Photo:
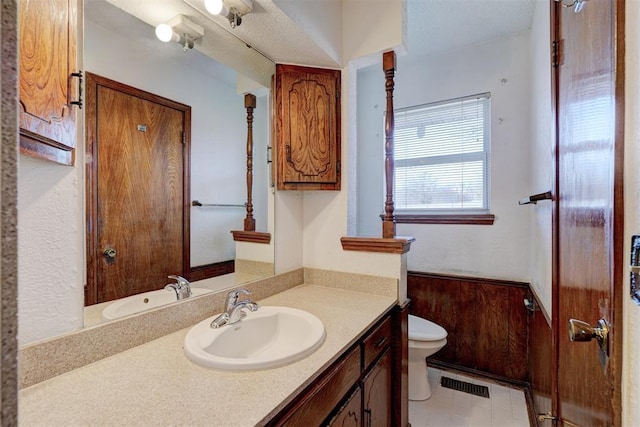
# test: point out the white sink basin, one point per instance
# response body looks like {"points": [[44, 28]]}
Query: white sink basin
{"points": [[267, 338], [142, 302]]}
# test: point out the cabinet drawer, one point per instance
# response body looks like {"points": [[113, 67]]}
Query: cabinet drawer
{"points": [[318, 402], [376, 341]]}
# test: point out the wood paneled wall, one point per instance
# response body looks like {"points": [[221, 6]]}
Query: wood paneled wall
{"points": [[211, 270], [486, 320]]}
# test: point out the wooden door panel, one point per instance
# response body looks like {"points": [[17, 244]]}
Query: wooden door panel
{"points": [[588, 193], [47, 59], [139, 191], [308, 128], [377, 397], [350, 415]]}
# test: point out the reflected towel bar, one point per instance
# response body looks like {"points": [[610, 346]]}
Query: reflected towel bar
{"points": [[217, 205], [532, 200]]}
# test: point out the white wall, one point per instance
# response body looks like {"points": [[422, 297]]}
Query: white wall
{"points": [[502, 68], [631, 338], [541, 154], [50, 248]]}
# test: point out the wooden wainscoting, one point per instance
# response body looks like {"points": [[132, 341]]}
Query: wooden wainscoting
{"points": [[211, 270], [486, 320]]}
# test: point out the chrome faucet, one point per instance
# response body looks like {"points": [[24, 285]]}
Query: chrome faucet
{"points": [[233, 309], [182, 287]]}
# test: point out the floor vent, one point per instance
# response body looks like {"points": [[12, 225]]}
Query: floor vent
{"points": [[478, 390]]}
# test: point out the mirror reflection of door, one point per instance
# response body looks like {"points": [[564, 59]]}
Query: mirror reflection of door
{"points": [[137, 175]]}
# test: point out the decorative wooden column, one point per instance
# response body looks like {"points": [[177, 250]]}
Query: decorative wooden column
{"points": [[249, 234], [249, 104], [388, 221], [389, 242]]}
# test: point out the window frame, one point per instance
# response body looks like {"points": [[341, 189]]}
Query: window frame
{"points": [[475, 216]]}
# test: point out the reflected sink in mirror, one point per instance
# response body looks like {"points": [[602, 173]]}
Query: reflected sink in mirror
{"points": [[142, 302], [270, 337]]}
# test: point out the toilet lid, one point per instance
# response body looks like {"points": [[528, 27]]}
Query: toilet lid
{"points": [[423, 330]]}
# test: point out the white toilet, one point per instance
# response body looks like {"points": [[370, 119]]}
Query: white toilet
{"points": [[425, 338]]}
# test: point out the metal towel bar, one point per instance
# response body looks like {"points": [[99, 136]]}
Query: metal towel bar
{"points": [[532, 200], [217, 205]]}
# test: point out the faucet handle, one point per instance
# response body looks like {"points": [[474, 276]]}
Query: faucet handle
{"points": [[181, 280], [232, 296]]}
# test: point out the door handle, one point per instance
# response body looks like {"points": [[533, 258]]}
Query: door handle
{"points": [[582, 332], [109, 253]]}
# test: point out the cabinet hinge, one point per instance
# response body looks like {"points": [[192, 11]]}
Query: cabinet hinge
{"points": [[184, 138], [557, 53], [338, 167]]}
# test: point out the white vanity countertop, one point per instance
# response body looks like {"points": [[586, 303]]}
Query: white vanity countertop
{"points": [[155, 384]]}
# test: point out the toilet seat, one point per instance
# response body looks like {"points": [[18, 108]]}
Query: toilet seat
{"points": [[423, 330]]}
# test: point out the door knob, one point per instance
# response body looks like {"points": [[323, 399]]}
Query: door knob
{"points": [[109, 252], [582, 331]]}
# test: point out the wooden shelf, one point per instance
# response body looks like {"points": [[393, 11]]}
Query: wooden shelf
{"points": [[399, 245], [251, 236]]}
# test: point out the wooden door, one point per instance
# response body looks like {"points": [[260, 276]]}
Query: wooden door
{"points": [[308, 128], [137, 190], [589, 209], [47, 61]]}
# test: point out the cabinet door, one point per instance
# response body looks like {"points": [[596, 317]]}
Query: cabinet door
{"points": [[47, 41], [350, 415], [308, 128], [377, 393], [321, 399]]}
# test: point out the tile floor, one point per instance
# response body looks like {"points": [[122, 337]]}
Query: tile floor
{"points": [[506, 407]]}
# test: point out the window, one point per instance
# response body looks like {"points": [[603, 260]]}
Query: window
{"points": [[441, 153]]}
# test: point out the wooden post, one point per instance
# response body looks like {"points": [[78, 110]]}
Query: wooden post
{"points": [[249, 104], [388, 221]]}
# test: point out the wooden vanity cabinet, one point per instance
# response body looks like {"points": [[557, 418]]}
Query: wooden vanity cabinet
{"points": [[307, 128], [355, 391], [48, 87]]}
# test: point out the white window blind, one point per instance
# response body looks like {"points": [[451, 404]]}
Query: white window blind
{"points": [[441, 153]]}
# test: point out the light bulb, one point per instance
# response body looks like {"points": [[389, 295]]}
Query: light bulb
{"points": [[164, 33], [214, 7]]}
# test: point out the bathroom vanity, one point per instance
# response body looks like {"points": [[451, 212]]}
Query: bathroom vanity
{"points": [[349, 380]]}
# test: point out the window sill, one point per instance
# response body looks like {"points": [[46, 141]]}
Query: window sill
{"points": [[474, 219]]}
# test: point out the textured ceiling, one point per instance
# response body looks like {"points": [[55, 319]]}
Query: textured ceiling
{"points": [[440, 25], [432, 26]]}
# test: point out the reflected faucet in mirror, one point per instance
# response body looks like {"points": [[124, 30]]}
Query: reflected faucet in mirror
{"points": [[182, 287]]}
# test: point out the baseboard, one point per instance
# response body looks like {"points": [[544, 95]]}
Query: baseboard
{"points": [[478, 374], [207, 271]]}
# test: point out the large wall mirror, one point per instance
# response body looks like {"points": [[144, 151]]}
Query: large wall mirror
{"points": [[122, 47]]}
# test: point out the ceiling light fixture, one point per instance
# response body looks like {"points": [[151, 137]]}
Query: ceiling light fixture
{"points": [[233, 10], [180, 29]]}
